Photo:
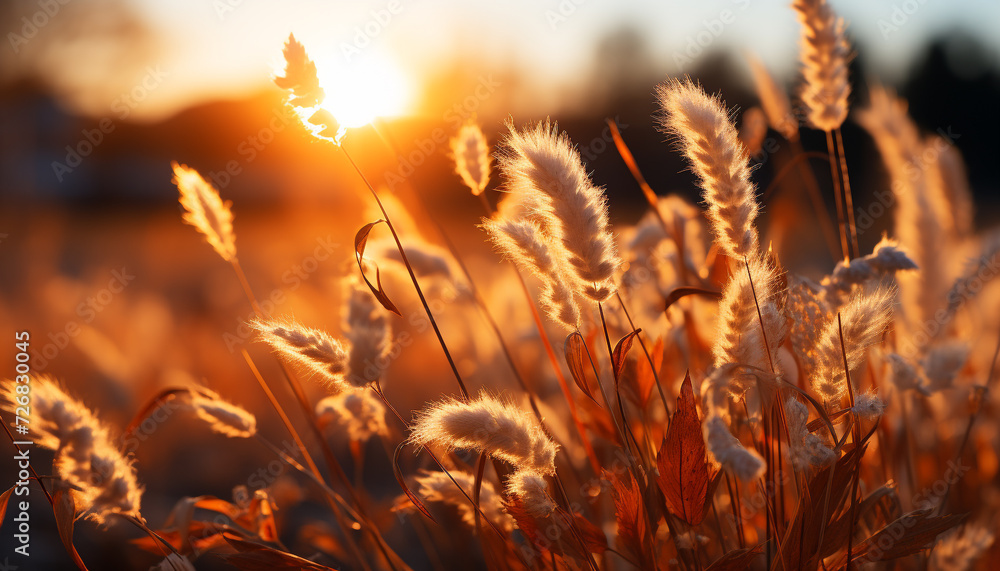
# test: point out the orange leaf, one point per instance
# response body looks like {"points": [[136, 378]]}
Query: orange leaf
{"points": [[3, 503], [678, 293], [683, 461], [621, 351], [406, 489], [630, 513], [360, 241], [574, 348], [735, 560], [909, 534], [256, 557]]}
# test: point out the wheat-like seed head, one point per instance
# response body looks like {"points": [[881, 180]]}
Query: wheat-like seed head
{"points": [[472, 156], [362, 414], [533, 491], [102, 481], [438, 487], [710, 142], [863, 319], [774, 100], [487, 425], [824, 53], [312, 349], [885, 260], [205, 210], [524, 242], [222, 417], [542, 162]]}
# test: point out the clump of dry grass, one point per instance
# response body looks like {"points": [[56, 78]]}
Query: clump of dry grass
{"points": [[101, 480]]}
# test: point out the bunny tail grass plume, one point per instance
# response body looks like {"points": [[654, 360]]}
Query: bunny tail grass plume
{"points": [[824, 53], [362, 414], [205, 210], [438, 487], [223, 417], [774, 100], [960, 549], [709, 140], [523, 242], [942, 364], [804, 448], [101, 480], [727, 451], [306, 96], [366, 329], [312, 349], [740, 338], [543, 162], [533, 491], [864, 319], [472, 157], [868, 406], [904, 375], [885, 260], [487, 425]]}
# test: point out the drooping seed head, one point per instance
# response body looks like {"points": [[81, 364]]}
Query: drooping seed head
{"points": [[312, 349]]}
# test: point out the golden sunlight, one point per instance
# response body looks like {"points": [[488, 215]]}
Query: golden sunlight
{"points": [[357, 94]]}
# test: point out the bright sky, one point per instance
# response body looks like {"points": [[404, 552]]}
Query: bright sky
{"points": [[212, 48]]}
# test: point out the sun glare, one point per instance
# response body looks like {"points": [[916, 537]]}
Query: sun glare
{"points": [[358, 93]]}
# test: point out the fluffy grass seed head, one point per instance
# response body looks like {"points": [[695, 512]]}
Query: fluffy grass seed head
{"points": [[489, 425], [960, 549], [711, 144], [805, 448], [542, 162], [533, 491], [728, 452], [472, 156], [825, 55], [205, 210], [312, 349], [864, 319], [438, 487], [221, 416], [102, 481], [361, 413], [524, 242], [868, 406]]}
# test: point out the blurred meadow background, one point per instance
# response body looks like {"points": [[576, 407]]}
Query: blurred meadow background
{"points": [[122, 299]]}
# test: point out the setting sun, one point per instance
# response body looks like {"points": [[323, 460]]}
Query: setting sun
{"points": [[358, 93]]}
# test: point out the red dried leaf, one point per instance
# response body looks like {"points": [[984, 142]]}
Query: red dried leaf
{"points": [[406, 489], [574, 348], [621, 351], [683, 461], [736, 560], [555, 533], [64, 509], [360, 241], [630, 514]]}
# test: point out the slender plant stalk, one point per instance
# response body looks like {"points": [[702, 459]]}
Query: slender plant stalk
{"points": [[832, 152], [413, 277], [848, 199]]}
